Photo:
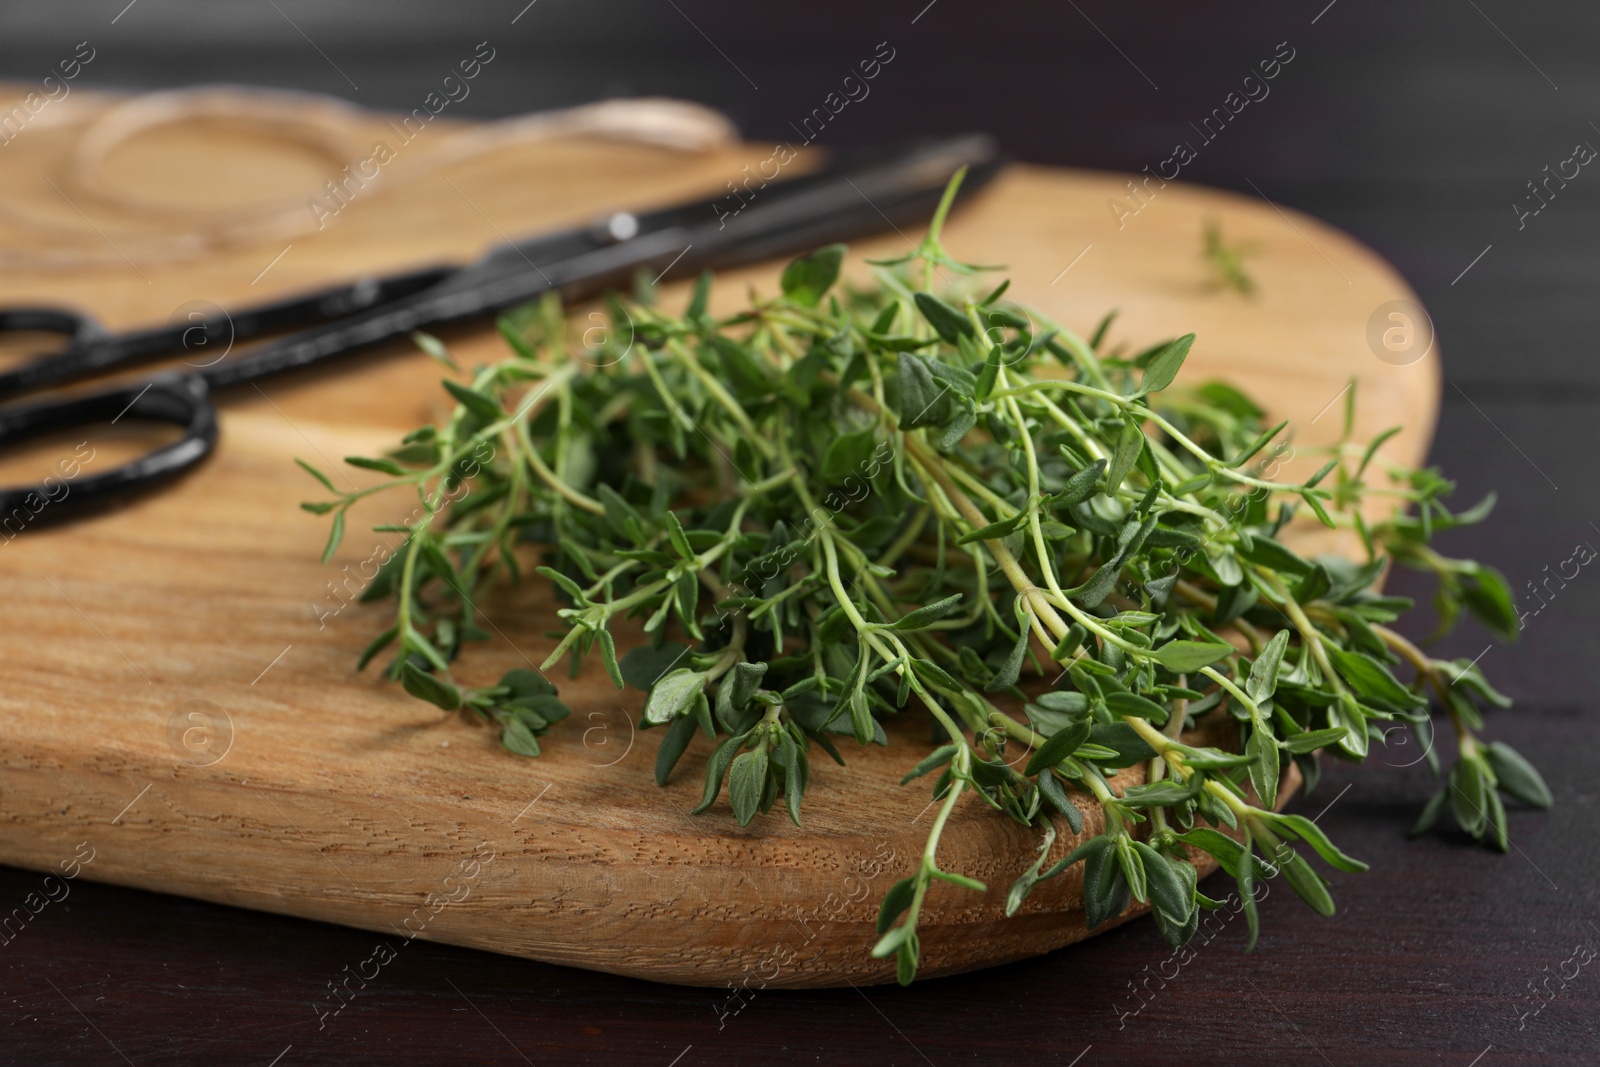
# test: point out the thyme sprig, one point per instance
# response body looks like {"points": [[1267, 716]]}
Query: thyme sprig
{"points": [[841, 503]]}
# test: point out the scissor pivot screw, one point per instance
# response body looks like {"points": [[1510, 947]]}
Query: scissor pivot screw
{"points": [[623, 226]]}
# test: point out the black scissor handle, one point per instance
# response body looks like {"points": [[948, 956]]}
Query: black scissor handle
{"points": [[91, 351], [184, 400], [75, 326]]}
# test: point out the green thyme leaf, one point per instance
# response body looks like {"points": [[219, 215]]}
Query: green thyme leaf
{"points": [[747, 778], [1057, 748], [1183, 657], [673, 696], [1263, 680], [1516, 775], [1372, 679], [1163, 369], [424, 686], [807, 278], [950, 324], [926, 615], [1130, 443]]}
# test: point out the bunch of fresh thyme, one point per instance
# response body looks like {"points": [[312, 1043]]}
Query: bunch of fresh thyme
{"points": [[842, 501]]}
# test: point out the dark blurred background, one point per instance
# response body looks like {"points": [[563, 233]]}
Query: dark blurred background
{"points": [[1415, 127]]}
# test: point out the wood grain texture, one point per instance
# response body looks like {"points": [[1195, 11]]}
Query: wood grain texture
{"points": [[340, 798]]}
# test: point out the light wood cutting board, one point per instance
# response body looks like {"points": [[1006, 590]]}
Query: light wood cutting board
{"points": [[339, 798]]}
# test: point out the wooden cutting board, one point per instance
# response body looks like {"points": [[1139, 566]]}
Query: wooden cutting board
{"points": [[177, 688]]}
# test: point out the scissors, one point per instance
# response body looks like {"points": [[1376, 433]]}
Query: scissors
{"points": [[855, 194]]}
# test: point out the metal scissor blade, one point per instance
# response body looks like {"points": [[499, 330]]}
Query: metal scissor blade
{"points": [[622, 226], [856, 193]]}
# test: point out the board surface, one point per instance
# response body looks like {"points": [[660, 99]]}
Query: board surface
{"points": [[307, 789]]}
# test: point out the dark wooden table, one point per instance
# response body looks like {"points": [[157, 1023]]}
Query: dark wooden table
{"points": [[1416, 130]]}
